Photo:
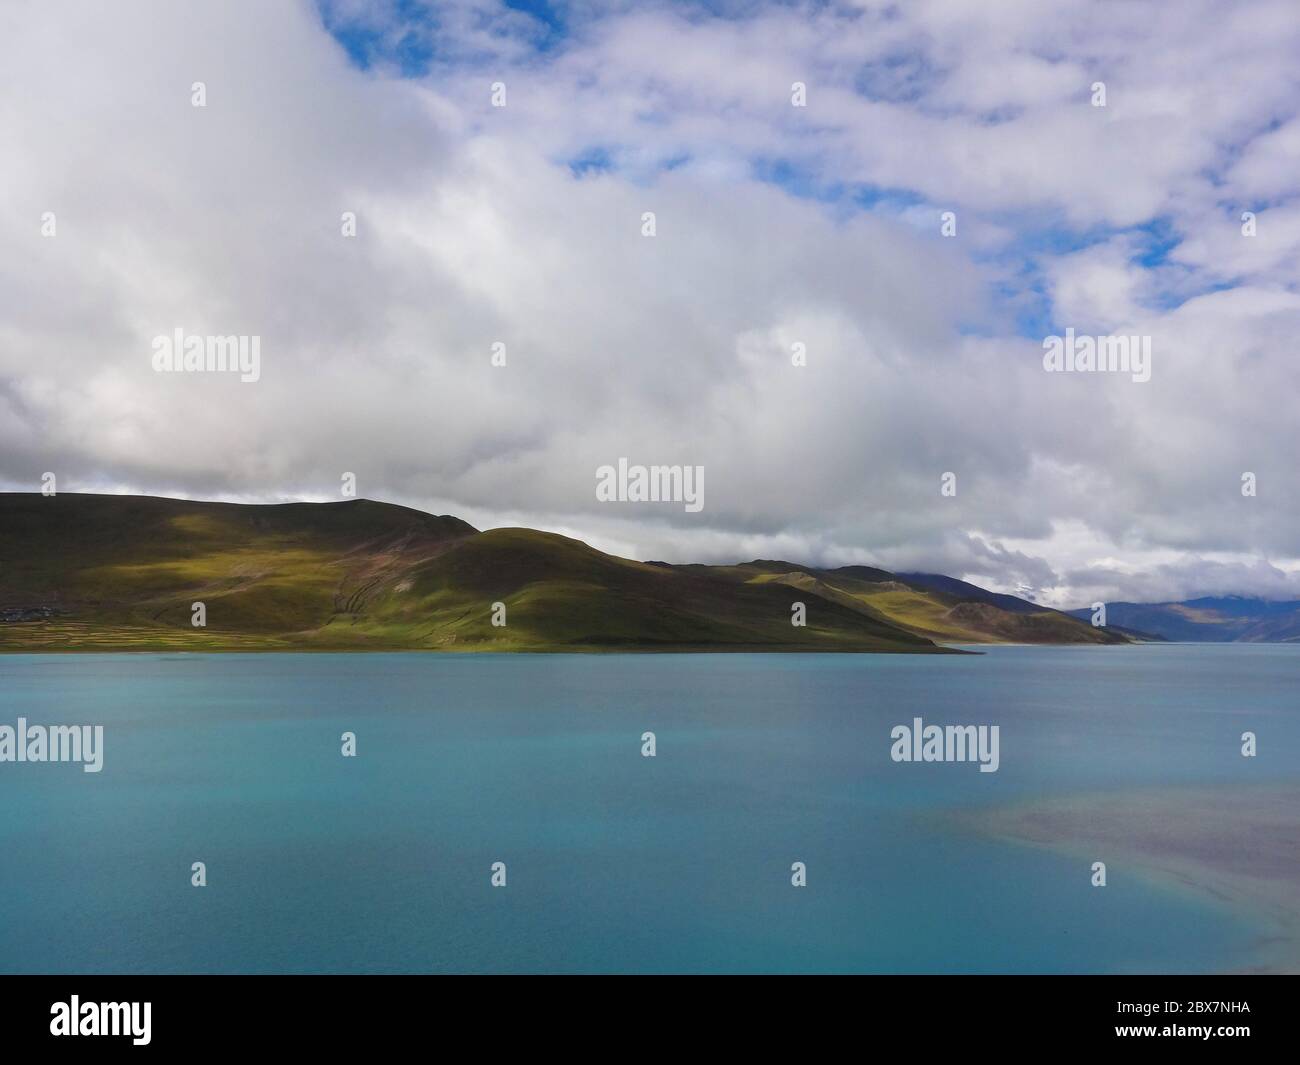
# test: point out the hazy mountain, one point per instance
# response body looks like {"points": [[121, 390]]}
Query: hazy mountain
{"points": [[1224, 619]]}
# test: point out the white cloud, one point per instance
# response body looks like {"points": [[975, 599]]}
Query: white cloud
{"points": [[473, 229]]}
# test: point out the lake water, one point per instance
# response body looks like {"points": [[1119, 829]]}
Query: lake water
{"points": [[615, 862]]}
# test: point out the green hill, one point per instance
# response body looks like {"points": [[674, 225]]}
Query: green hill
{"points": [[111, 573], [939, 608]]}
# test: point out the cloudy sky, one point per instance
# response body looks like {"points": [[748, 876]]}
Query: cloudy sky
{"points": [[776, 225]]}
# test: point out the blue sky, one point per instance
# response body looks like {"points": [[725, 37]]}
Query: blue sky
{"points": [[420, 41]]}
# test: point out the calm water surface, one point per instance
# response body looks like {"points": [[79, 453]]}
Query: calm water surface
{"points": [[678, 863]]}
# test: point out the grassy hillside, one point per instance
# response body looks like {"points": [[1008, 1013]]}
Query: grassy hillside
{"points": [[561, 593], [121, 572], [939, 608], [82, 572], [998, 617], [86, 572]]}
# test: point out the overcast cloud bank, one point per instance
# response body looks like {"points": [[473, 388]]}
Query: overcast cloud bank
{"points": [[775, 226]]}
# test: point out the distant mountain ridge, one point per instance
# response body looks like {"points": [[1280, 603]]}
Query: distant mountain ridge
{"points": [[105, 573], [1209, 619]]}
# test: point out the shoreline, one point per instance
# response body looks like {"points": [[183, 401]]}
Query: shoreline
{"points": [[687, 649], [1234, 846]]}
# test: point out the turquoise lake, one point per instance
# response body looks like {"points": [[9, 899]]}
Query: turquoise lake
{"points": [[615, 862]]}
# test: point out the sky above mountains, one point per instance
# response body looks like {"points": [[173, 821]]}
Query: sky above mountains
{"points": [[775, 225]]}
